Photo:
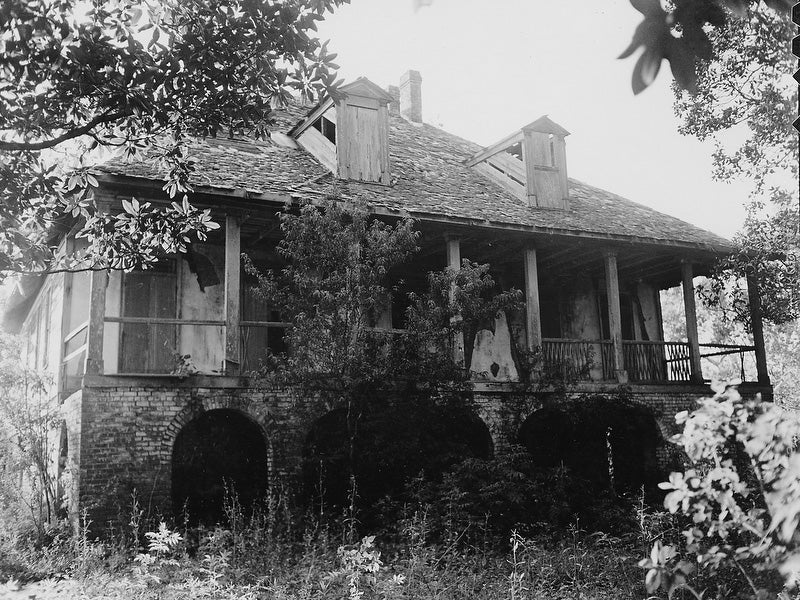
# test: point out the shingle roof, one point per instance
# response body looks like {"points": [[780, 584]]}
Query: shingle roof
{"points": [[429, 179]]}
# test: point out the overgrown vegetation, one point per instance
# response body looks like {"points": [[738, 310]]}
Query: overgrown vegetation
{"points": [[732, 534]]}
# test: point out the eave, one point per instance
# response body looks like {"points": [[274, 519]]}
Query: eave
{"points": [[252, 199]]}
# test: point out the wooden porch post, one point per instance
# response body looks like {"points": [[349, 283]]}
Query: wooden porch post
{"points": [[454, 262], [233, 233], [97, 313], [533, 320], [691, 321], [758, 329], [614, 316]]}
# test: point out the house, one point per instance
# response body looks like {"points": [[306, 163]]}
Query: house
{"points": [[591, 265]]}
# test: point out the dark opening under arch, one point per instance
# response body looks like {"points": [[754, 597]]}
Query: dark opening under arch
{"points": [[605, 442], [220, 448], [391, 446]]}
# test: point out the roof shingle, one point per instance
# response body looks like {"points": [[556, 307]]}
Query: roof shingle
{"points": [[429, 178]]}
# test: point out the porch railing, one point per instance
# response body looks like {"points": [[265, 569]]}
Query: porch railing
{"points": [[657, 361], [578, 360], [728, 361], [645, 361]]}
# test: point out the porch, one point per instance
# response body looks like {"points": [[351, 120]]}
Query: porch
{"points": [[140, 330]]}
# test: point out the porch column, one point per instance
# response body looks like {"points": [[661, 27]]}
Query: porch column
{"points": [[97, 313], [232, 293], [614, 316], [454, 262], [533, 320], [758, 329], [691, 321]]}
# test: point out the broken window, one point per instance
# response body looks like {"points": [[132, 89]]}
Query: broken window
{"points": [[326, 127]]}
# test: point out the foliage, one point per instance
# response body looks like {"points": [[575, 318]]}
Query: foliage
{"points": [[136, 77], [511, 491], [684, 34], [317, 566], [334, 286], [768, 251], [745, 101], [331, 291], [742, 493], [28, 421]]}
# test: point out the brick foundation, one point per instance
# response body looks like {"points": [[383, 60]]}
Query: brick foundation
{"points": [[122, 428]]}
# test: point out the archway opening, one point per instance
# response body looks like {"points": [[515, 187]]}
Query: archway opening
{"points": [[219, 453], [385, 449], [606, 443]]}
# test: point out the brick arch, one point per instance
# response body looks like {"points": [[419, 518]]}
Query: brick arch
{"points": [[250, 408]]}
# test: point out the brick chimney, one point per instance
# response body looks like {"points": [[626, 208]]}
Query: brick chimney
{"points": [[411, 96], [394, 105]]}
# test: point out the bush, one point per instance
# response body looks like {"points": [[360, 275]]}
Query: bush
{"points": [[742, 494], [510, 492]]}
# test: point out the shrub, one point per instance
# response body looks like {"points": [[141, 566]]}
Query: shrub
{"points": [[511, 492], [742, 493]]}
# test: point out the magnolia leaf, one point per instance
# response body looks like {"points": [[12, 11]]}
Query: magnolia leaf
{"points": [[647, 7], [646, 68], [681, 61], [652, 580]]}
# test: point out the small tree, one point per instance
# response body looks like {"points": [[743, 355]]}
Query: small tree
{"points": [[332, 290], [28, 421]]}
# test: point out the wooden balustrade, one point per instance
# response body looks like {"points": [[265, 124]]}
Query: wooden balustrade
{"points": [[657, 361], [578, 360], [645, 361], [729, 361]]}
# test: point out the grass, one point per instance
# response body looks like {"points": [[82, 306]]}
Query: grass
{"points": [[262, 561]]}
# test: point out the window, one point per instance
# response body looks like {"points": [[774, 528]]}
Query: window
{"points": [[326, 127], [257, 337], [146, 345]]}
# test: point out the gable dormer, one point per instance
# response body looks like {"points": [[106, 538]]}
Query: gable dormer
{"points": [[350, 135], [530, 163]]}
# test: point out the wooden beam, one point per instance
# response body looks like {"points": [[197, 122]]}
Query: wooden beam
{"points": [[631, 263], [233, 267], [658, 268], [454, 263], [315, 114], [691, 321], [757, 328], [507, 141], [579, 258], [66, 310], [552, 256], [97, 312], [614, 315], [533, 319]]}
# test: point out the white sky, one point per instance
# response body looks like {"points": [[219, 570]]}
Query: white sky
{"points": [[490, 66]]}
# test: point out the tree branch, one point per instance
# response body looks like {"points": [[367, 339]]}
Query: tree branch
{"points": [[107, 117]]}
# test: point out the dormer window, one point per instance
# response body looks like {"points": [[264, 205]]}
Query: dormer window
{"points": [[351, 135], [326, 127], [530, 163]]}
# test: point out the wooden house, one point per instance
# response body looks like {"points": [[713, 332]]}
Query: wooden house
{"points": [[591, 265]]}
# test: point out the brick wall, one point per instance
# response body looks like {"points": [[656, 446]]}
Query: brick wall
{"points": [[128, 427], [122, 429]]}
